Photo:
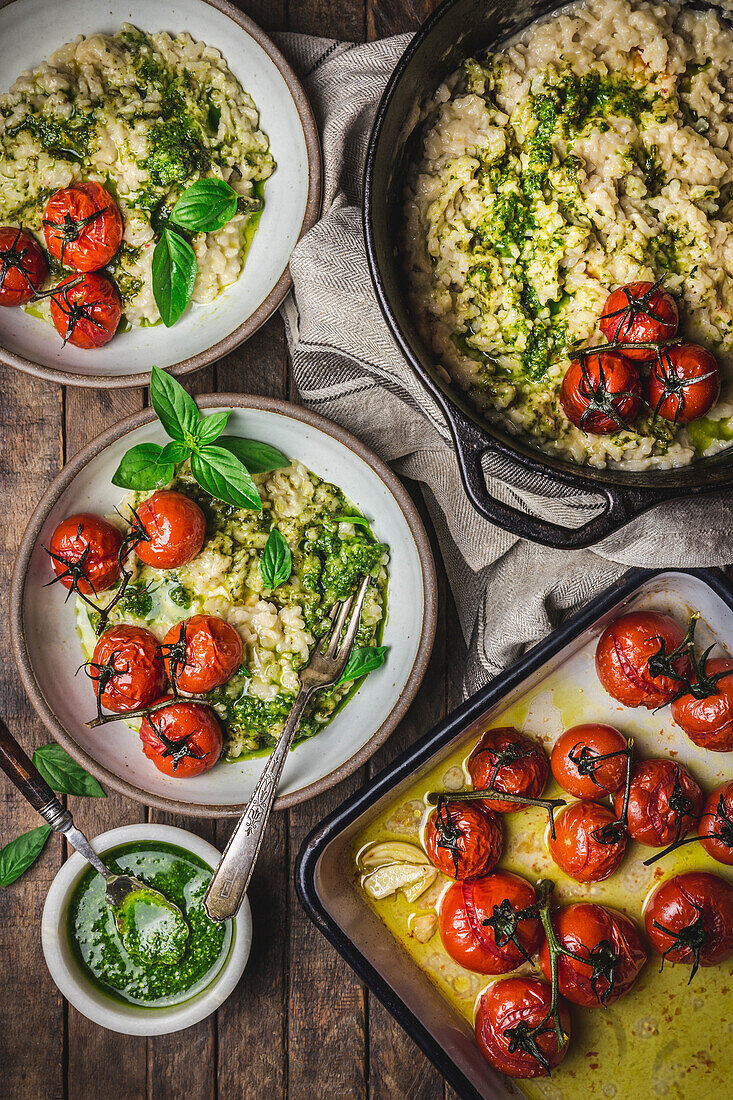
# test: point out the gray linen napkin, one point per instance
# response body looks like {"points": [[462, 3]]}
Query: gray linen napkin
{"points": [[509, 592]]}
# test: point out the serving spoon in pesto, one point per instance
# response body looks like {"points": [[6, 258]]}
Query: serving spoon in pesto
{"points": [[153, 929]]}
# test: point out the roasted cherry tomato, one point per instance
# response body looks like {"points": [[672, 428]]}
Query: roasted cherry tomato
{"points": [[636, 659], [82, 226], [716, 824], [480, 926], [23, 266], [127, 668], [183, 739], [463, 839], [689, 919], [86, 310], [683, 383], [601, 392], [174, 528], [705, 713], [578, 762], [665, 802], [84, 551], [201, 653], [611, 943], [590, 842], [514, 1031], [510, 762], [639, 313]]}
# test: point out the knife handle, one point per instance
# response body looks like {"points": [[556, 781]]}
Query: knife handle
{"points": [[29, 781]]}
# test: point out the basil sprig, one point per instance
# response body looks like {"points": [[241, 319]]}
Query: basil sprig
{"points": [[17, 856], [276, 563], [222, 465], [363, 660], [64, 774]]}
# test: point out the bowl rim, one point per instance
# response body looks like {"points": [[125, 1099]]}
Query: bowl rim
{"points": [[281, 288], [116, 432], [117, 1016]]}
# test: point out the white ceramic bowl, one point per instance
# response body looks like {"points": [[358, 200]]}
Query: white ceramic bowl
{"points": [[47, 649], [88, 998], [292, 194]]}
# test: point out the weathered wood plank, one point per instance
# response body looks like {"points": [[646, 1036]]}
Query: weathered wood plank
{"points": [[385, 17]]}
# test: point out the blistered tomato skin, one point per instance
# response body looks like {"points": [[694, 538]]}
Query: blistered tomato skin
{"points": [[683, 383], [201, 653], [665, 802], [82, 225], [708, 722], [175, 528], [475, 919], [689, 919], [86, 310], [575, 765], [631, 659], [509, 762], [715, 828], [92, 543], [128, 664], [637, 313], [520, 1003], [23, 267], [463, 839], [182, 740], [598, 933], [601, 392], [589, 843]]}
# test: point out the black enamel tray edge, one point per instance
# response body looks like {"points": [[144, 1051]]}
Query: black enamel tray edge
{"points": [[327, 830]]}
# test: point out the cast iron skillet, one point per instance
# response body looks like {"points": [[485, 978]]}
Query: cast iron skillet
{"points": [[457, 30]]}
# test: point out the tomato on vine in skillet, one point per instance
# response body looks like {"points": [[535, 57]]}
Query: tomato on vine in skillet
{"points": [[463, 839], [602, 954], [683, 383], [642, 659], [705, 712], [23, 267], [84, 551], [514, 1031], [201, 653], [481, 924], [590, 760], [689, 919], [639, 313], [590, 841], [86, 310], [665, 802], [715, 829], [127, 668], [511, 762], [183, 739], [172, 529], [82, 225], [601, 392]]}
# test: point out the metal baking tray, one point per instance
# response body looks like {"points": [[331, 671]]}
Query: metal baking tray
{"points": [[324, 871]]}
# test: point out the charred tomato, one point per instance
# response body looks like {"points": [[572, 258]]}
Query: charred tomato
{"points": [[86, 310], [201, 653], [664, 802], [639, 313], [510, 762], [590, 760], [641, 659], [683, 383], [23, 267], [590, 842], [601, 392], [705, 712], [183, 739], [173, 528], [689, 919], [481, 923], [84, 552], [127, 668], [463, 839], [82, 225], [514, 1030]]}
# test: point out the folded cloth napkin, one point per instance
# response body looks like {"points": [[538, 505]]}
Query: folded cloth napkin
{"points": [[509, 592]]}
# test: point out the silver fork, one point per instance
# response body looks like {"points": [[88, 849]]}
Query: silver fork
{"points": [[231, 878]]}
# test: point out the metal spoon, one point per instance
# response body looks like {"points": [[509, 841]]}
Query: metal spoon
{"points": [[152, 928]]}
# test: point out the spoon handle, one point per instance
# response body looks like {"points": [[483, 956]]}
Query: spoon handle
{"points": [[29, 781]]}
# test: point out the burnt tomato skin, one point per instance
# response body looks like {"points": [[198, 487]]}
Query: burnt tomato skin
{"points": [[683, 383], [139, 678], [87, 532], [23, 266], [573, 755], [212, 653], [716, 824], [524, 1003], [601, 392], [695, 911], [665, 802], [629, 320], [86, 310], [466, 910], [623, 656], [708, 722], [524, 769], [175, 528], [82, 225], [593, 931], [182, 740], [463, 839], [590, 844]]}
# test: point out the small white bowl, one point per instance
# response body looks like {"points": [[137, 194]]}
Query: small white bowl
{"points": [[89, 999]]}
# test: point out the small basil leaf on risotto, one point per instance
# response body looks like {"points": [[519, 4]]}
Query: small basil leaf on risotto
{"points": [[205, 206], [175, 408], [357, 520], [17, 856], [363, 660], [211, 427], [174, 275], [276, 563], [142, 467], [64, 774], [224, 477], [259, 458]]}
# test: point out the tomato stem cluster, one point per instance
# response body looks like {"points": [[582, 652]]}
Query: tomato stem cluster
{"points": [[550, 804], [448, 832], [725, 836], [11, 259]]}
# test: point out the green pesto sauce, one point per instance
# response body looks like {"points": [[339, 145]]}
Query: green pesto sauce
{"points": [[96, 944], [68, 139]]}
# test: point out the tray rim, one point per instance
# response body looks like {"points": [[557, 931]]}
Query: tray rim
{"points": [[314, 845]]}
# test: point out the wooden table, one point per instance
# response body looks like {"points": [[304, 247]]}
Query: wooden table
{"points": [[299, 1024]]}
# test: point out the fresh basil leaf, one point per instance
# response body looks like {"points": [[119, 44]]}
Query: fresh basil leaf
{"points": [[363, 660], [143, 467], [175, 408], [176, 451], [174, 275], [259, 458], [357, 520], [17, 856], [224, 477], [210, 427], [276, 563], [205, 206], [64, 774]]}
